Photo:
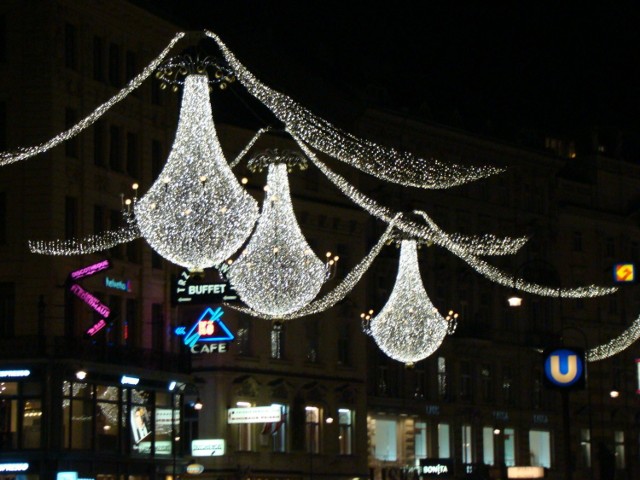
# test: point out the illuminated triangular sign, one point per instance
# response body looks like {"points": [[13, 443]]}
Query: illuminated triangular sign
{"points": [[209, 328]]}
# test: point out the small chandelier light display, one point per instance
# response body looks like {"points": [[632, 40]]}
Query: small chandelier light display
{"points": [[277, 273], [408, 328], [196, 214]]}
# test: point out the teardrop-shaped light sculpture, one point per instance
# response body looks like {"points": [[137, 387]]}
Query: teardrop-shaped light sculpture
{"points": [[196, 214], [408, 328], [277, 273]]}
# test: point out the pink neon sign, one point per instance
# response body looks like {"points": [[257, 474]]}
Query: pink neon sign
{"points": [[90, 300], [97, 327], [90, 270]]}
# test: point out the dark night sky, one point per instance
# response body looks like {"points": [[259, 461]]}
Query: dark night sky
{"points": [[475, 65]]}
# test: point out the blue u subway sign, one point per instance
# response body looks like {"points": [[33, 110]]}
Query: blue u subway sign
{"points": [[564, 368]]}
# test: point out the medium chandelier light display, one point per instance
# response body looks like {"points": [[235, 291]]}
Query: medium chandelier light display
{"points": [[197, 215], [409, 328], [277, 273]]}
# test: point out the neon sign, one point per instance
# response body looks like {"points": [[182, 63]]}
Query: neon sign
{"points": [[90, 300], [90, 270], [14, 467], [96, 327], [127, 380], [122, 285], [189, 291], [209, 328]]}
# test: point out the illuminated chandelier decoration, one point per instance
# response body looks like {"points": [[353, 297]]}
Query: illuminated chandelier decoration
{"points": [[277, 273], [196, 214], [408, 328]]}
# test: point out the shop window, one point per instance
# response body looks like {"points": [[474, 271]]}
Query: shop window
{"points": [[618, 437], [107, 425], [77, 411], [420, 441], [345, 431], [444, 441], [167, 423], [8, 416], [312, 429], [488, 448], [386, 440], [509, 447], [140, 415], [466, 441], [540, 448]]}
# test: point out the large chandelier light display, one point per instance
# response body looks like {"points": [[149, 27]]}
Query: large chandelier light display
{"points": [[409, 328], [196, 214], [277, 273]]}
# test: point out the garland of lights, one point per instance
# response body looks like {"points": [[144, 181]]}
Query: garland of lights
{"points": [[91, 244], [277, 273], [248, 147], [23, 153], [386, 163], [340, 292], [616, 345], [196, 214], [432, 233], [409, 328]]}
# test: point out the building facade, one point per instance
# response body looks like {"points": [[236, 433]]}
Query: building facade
{"points": [[477, 406]]}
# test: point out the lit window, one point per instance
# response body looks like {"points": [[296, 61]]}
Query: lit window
{"points": [[444, 449], [488, 455], [540, 448], [277, 341], [585, 448], [467, 444], [312, 429], [245, 431], [619, 445], [345, 431], [278, 430], [385, 440], [420, 441], [509, 447], [442, 377]]}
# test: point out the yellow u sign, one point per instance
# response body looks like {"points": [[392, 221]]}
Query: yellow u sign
{"points": [[563, 367]]}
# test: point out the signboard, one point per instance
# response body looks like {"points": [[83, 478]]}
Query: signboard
{"points": [[14, 373], [272, 413], [624, 273], [564, 368], [525, 472], [202, 289], [92, 301], [213, 447], [208, 329], [67, 476], [14, 467], [122, 285], [195, 469], [436, 467]]}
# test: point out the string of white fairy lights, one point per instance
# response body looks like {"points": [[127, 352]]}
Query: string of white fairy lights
{"points": [[432, 233], [91, 244], [23, 153], [340, 291], [386, 163], [617, 344]]}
